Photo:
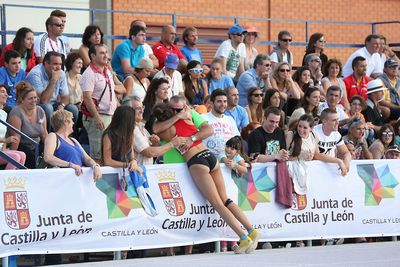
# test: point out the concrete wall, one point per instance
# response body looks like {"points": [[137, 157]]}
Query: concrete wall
{"points": [[34, 18]]}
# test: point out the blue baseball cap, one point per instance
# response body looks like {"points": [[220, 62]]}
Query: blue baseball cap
{"points": [[236, 28], [171, 61]]}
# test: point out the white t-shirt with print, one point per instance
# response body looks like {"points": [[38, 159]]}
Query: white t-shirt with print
{"points": [[224, 129], [328, 144], [232, 56]]}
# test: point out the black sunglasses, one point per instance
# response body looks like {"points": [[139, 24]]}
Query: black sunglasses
{"points": [[286, 40], [177, 110], [257, 95], [58, 25]]}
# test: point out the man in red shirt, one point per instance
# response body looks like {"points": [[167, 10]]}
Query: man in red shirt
{"points": [[356, 83], [166, 46]]}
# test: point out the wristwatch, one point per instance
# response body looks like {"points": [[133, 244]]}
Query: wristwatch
{"points": [[194, 138]]}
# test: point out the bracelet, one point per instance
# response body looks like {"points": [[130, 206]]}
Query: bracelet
{"points": [[69, 164], [95, 165]]}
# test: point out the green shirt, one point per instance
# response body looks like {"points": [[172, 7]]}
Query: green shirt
{"points": [[173, 155]]}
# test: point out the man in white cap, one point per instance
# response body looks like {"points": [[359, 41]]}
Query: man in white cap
{"points": [[393, 152], [373, 112], [169, 72], [233, 52]]}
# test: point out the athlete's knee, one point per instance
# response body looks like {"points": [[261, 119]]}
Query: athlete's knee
{"points": [[228, 202]]}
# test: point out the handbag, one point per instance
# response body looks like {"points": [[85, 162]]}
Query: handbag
{"points": [[85, 111]]}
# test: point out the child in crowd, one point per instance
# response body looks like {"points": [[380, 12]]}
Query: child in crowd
{"points": [[235, 159]]}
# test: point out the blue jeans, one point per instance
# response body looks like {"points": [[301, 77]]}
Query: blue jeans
{"points": [[49, 109]]}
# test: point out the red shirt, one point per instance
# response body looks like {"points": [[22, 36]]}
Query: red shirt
{"points": [[353, 89], [31, 61], [161, 51]]}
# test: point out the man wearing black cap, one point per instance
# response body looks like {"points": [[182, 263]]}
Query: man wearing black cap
{"points": [[233, 52]]}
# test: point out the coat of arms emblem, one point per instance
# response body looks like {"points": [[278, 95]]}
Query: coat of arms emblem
{"points": [[16, 209], [171, 193]]}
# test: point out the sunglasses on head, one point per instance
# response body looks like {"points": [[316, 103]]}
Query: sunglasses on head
{"points": [[197, 70], [258, 95], [284, 70], [286, 40]]}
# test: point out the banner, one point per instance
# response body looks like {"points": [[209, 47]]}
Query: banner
{"points": [[56, 211]]}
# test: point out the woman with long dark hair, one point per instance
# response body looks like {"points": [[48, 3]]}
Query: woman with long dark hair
{"points": [[316, 45], [157, 92], [272, 98], [385, 139], [194, 87], [207, 175], [302, 77], [309, 105], [117, 140], [254, 109], [303, 144], [23, 44]]}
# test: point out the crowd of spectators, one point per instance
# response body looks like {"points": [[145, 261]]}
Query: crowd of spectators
{"points": [[323, 110]]}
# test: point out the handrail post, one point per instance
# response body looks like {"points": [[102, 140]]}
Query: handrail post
{"points": [[4, 262], [3, 25], [307, 32], [373, 27], [174, 20], [236, 20], [92, 16]]}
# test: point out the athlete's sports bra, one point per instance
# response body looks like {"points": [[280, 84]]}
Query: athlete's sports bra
{"points": [[186, 130]]}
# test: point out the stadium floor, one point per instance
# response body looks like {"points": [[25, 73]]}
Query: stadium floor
{"points": [[367, 254]]}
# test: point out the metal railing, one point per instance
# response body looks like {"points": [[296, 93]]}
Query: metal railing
{"points": [[174, 21], [23, 135]]}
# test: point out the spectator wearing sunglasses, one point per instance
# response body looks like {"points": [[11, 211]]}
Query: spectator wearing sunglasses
{"points": [[391, 82], [281, 79], [313, 62], [233, 52], [384, 140], [254, 108], [356, 137], [281, 52], [194, 87], [50, 40], [316, 45], [258, 76]]}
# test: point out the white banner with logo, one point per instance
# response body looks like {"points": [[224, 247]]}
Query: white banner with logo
{"points": [[55, 211]]}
